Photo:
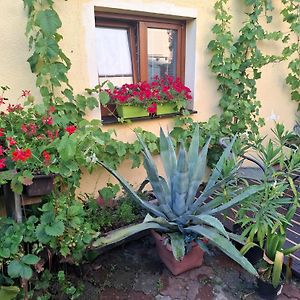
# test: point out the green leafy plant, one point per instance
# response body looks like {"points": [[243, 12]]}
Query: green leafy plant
{"points": [[178, 213]]}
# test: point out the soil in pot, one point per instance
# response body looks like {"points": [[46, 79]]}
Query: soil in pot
{"points": [[267, 291], [193, 259]]}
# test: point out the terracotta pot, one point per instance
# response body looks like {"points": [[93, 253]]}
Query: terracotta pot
{"points": [[191, 260], [41, 185], [267, 291]]}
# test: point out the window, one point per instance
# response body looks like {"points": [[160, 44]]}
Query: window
{"points": [[132, 48]]}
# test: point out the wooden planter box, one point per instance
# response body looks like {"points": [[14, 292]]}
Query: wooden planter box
{"points": [[42, 185]]}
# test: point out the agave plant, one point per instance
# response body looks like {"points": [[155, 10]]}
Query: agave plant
{"points": [[178, 212]]}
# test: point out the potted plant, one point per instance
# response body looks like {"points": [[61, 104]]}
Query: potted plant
{"points": [[270, 267], [25, 134], [184, 219], [164, 95]]}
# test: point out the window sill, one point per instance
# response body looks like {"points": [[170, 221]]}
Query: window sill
{"points": [[107, 120]]}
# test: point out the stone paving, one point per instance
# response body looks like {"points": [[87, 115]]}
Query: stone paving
{"points": [[135, 272]]}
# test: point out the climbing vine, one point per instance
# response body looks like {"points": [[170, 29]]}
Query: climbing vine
{"points": [[237, 63], [291, 15]]}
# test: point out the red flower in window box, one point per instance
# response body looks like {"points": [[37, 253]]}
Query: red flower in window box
{"points": [[162, 90]]}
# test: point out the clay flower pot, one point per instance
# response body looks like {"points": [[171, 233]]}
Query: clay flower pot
{"points": [[191, 260]]}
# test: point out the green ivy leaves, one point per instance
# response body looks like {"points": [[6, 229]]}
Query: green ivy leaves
{"points": [[48, 20]]}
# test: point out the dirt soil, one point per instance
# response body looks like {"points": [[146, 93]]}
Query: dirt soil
{"points": [[134, 271]]}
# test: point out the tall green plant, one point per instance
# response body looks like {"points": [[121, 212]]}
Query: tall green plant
{"points": [[237, 63]]}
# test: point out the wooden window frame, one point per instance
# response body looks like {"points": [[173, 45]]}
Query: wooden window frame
{"points": [[105, 19], [130, 31]]}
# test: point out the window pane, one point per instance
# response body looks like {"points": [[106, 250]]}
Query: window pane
{"points": [[162, 52], [113, 54]]}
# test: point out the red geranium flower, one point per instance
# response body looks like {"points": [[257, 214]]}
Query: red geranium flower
{"points": [[71, 129], [152, 108], [1, 132], [46, 156], [1, 150], [2, 163], [20, 154], [11, 141], [2, 100]]}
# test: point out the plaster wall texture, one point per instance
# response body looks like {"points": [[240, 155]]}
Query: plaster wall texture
{"points": [[79, 45]]}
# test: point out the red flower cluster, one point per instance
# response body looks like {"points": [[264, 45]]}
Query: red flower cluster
{"points": [[2, 160], [71, 129], [1, 132], [29, 129], [20, 154], [13, 108], [47, 157], [166, 89]]}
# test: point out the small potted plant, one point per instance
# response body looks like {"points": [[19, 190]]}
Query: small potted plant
{"points": [[270, 268], [181, 220], [164, 95]]}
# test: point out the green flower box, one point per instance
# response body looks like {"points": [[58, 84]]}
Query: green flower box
{"points": [[166, 108], [131, 111]]}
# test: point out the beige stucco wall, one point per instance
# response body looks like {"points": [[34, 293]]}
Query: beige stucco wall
{"points": [[77, 29]]}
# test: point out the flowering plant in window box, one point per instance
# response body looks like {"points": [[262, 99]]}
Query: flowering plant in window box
{"points": [[162, 96]]}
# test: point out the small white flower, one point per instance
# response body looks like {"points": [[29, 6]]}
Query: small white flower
{"points": [[273, 117]]}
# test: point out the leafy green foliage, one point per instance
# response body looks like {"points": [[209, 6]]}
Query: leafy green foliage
{"points": [[290, 14], [237, 63]]}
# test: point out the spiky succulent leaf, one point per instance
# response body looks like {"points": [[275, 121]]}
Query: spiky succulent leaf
{"points": [[167, 154], [123, 233], [196, 177], [181, 183], [127, 187], [224, 245], [277, 268], [211, 221], [178, 245], [193, 152], [160, 191]]}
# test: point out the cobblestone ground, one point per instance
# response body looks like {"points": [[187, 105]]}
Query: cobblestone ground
{"points": [[134, 272]]}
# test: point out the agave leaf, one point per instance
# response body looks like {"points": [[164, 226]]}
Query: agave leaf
{"points": [[193, 152], [196, 206], [237, 199], [166, 189], [202, 246], [219, 166], [197, 174], [161, 221], [277, 268], [167, 154], [211, 221], [123, 233], [224, 245], [181, 183], [178, 245], [160, 191], [150, 207]]}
